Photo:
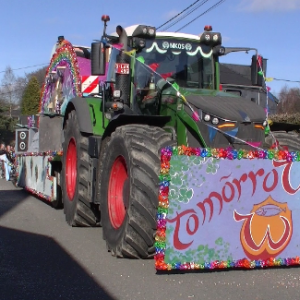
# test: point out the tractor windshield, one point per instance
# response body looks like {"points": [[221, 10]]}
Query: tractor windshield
{"points": [[188, 62]]}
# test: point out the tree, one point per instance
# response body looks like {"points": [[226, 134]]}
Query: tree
{"points": [[20, 84], [12, 90], [7, 120], [7, 124], [31, 97], [3, 118], [9, 88], [289, 100], [40, 74]]}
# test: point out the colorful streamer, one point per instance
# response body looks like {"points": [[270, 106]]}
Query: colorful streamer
{"points": [[64, 55]]}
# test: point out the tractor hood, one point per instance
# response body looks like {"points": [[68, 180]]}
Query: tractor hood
{"points": [[228, 108]]}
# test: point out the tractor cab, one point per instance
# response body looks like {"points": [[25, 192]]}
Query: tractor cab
{"points": [[175, 76], [186, 58]]}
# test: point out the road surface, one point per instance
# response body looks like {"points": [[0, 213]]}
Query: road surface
{"points": [[42, 258]]}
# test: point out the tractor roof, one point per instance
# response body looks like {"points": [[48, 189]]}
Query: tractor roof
{"points": [[178, 35], [130, 30]]}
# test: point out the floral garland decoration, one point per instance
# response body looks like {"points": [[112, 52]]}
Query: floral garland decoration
{"points": [[163, 205], [53, 155]]}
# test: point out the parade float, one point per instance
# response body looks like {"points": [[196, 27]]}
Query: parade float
{"points": [[142, 142]]}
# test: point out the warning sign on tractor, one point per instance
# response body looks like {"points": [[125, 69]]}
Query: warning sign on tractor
{"points": [[122, 68]]}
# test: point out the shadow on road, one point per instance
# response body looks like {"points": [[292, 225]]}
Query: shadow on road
{"points": [[36, 267], [11, 198]]}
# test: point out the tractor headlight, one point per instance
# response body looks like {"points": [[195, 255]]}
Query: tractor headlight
{"points": [[207, 118], [144, 31], [215, 121], [207, 37], [151, 31]]}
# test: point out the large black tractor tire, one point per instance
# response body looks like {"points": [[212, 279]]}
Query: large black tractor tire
{"points": [[75, 176], [289, 140], [129, 170]]}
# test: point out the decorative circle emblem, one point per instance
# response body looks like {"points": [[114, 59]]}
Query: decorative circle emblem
{"points": [[165, 45], [188, 47]]}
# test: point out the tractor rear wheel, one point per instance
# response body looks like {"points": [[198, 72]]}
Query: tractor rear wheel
{"points": [[129, 187], [285, 140], [75, 176]]}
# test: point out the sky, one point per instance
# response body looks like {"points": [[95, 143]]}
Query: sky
{"points": [[29, 29]]}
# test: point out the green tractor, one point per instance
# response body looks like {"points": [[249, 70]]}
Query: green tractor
{"points": [[156, 89], [163, 91]]}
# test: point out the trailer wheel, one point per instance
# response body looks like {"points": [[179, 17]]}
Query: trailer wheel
{"points": [[58, 203], [285, 140], [129, 170], [75, 176]]}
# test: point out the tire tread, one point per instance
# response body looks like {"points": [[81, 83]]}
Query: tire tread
{"points": [[83, 216], [143, 144]]}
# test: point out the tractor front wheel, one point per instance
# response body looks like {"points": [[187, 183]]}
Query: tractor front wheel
{"points": [[284, 140], [129, 187]]}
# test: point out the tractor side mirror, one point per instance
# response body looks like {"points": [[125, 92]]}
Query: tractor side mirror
{"points": [[254, 70], [98, 58], [256, 78]]}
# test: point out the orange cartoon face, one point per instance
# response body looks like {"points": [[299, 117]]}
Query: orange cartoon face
{"points": [[267, 230]]}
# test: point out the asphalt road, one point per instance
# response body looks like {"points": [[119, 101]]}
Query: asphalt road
{"points": [[42, 258]]}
